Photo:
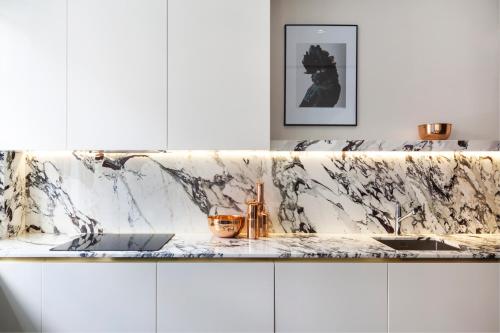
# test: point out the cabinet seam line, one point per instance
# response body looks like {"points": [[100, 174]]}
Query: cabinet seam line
{"points": [[274, 296], [166, 78], [67, 76], [387, 293], [156, 297], [42, 267]]}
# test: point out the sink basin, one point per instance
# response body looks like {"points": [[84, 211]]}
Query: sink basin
{"points": [[417, 244]]}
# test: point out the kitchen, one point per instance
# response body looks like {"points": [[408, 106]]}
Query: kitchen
{"points": [[172, 166]]}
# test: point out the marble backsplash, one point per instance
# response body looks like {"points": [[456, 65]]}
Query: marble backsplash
{"points": [[12, 183], [383, 145], [316, 192]]}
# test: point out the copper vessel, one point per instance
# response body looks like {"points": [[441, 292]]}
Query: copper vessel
{"points": [[226, 226], [263, 224], [436, 131], [252, 220], [260, 193], [262, 215]]}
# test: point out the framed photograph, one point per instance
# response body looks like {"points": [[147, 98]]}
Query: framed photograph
{"points": [[321, 75]]}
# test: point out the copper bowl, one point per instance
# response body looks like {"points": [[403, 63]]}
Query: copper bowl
{"points": [[226, 225], [436, 131]]}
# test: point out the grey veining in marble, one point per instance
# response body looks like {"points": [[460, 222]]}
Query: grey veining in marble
{"points": [[154, 192], [311, 192], [308, 246], [11, 193], [380, 145], [356, 192]]}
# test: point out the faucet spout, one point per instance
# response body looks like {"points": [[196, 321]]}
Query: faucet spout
{"points": [[398, 218], [413, 212]]}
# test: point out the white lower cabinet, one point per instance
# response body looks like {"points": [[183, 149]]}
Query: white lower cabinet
{"points": [[248, 297], [331, 297], [20, 296], [215, 297], [444, 297], [99, 297]]}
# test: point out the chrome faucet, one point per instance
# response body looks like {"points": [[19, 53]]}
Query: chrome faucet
{"points": [[398, 218]]}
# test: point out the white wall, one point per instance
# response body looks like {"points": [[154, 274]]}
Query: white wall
{"points": [[419, 61]]}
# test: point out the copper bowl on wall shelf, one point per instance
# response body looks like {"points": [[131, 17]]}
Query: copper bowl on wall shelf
{"points": [[226, 226], [436, 131]]}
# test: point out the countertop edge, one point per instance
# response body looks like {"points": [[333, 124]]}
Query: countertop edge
{"points": [[279, 248]]}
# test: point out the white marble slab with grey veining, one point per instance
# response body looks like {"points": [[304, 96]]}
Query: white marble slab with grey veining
{"points": [[327, 192], [279, 246], [382, 145], [12, 193]]}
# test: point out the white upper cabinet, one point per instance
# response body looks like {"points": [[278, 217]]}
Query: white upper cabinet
{"points": [[218, 82], [33, 74], [117, 74], [92, 74]]}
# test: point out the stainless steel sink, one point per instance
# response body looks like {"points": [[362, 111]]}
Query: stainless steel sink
{"points": [[417, 244]]}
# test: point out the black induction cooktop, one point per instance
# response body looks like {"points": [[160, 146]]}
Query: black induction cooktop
{"points": [[116, 242]]}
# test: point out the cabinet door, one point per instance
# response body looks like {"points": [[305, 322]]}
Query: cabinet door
{"points": [[20, 297], [99, 297], [218, 82], [331, 297], [443, 297], [33, 74], [215, 297], [117, 67]]}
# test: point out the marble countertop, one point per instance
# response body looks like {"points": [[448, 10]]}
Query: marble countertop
{"points": [[278, 246]]}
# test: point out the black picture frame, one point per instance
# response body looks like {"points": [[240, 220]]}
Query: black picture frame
{"points": [[356, 27]]}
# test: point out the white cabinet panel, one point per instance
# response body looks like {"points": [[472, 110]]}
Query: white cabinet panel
{"points": [[215, 297], [443, 297], [33, 74], [20, 297], [331, 297], [99, 297], [218, 82], [117, 74]]}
